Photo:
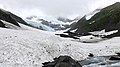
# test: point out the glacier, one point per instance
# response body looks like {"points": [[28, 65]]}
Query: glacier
{"points": [[30, 47]]}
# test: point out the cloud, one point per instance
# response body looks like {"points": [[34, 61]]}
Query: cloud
{"points": [[67, 8]]}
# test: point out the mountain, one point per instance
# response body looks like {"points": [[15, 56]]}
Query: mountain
{"points": [[107, 18], [7, 18], [2, 24], [49, 23], [32, 47], [46, 23], [64, 19]]}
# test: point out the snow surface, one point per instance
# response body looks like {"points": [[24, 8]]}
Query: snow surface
{"points": [[102, 32], [98, 32], [90, 39], [30, 48]]}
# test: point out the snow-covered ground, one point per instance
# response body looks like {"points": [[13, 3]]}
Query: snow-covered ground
{"points": [[31, 47]]}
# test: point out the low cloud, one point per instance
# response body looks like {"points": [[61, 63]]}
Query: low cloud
{"points": [[66, 8]]}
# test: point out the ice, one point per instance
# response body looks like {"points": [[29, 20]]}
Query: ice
{"points": [[40, 25]]}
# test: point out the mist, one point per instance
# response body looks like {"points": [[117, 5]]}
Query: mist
{"points": [[55, 8]]}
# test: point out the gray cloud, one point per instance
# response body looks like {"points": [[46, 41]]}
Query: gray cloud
{"points": [[67, 8]]}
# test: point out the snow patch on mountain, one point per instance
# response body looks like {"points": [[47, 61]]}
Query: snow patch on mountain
{"points": [[10, 25], [90, 39], [53, 23], [39, 25], [103, 33]]}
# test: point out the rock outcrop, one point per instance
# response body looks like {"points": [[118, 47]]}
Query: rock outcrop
{"points": [[11, 18], [62, 61]]}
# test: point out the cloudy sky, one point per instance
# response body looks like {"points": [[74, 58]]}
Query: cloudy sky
{"points": [[65, 8]]}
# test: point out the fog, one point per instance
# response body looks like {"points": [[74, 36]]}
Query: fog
{"points": [[64, 8]]}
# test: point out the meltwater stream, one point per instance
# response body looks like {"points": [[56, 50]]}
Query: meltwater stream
{"points": [[101, 61]]}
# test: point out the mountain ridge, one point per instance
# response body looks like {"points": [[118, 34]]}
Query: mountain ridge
{"points": [[108, 18]]}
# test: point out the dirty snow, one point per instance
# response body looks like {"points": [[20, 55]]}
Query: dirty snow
{"points": [[30, 48]]}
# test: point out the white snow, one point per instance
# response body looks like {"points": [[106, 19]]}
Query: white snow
{"points": [[90, 39], [40, 25], [110, 32], [74, 30], [92, 22], [102, 32], [98, 32], [30, 48]]}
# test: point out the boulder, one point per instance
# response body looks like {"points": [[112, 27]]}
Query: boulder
{"points": [[91, 55], [114, 58], [118, 54], [67, 36], [62, 61]]}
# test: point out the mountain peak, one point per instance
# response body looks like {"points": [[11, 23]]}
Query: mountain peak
{"points": [[114, 6], [117, 3]]}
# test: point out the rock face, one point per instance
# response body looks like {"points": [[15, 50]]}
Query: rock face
{"points": [[2, 24], [67, 36], [62, 61], [108, 18], [11, 18], [64, 19], [114, 58]]}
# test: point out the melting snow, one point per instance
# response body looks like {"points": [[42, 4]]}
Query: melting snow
{"points": [[30, 48]]}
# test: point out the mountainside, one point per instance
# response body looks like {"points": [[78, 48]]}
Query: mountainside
{"points": [[10, 17], [43, 23], [107, 18]]}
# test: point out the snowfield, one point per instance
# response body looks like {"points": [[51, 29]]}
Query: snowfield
{"points": [[31, 47]]}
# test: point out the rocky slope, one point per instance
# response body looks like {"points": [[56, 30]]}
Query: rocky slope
{"points": [[42, 23], [107, 18], [10, 17]]}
